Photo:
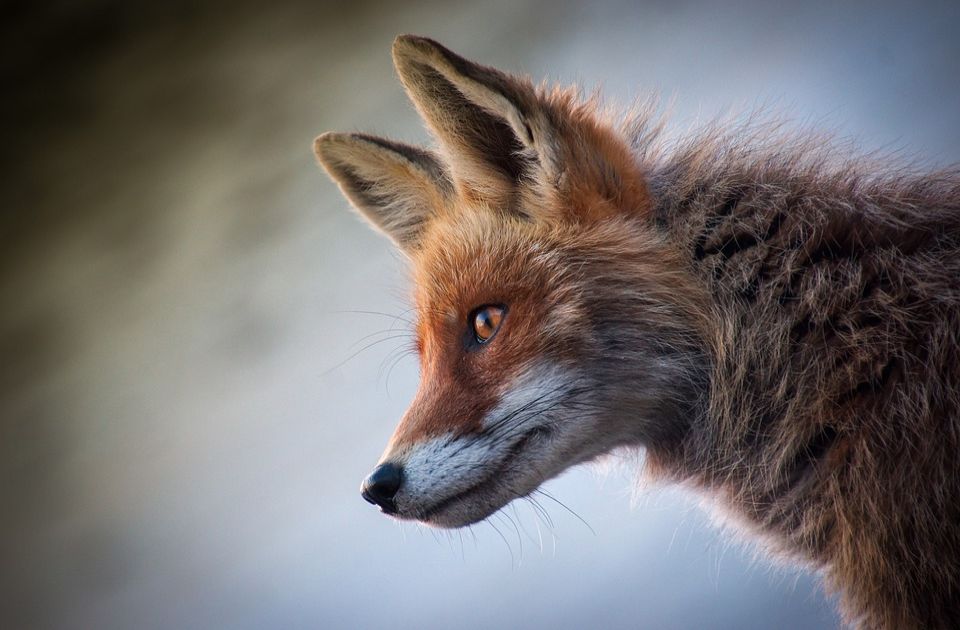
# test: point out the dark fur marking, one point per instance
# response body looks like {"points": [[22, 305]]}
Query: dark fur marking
{"points": [[730, 202], [873, 384], [808, 456]]}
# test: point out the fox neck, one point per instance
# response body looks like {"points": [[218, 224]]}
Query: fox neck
{"points": [[830, 304], [760, 437], [647, 320]]}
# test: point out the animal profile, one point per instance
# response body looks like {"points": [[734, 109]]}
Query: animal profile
{"points": [[774, 323]]}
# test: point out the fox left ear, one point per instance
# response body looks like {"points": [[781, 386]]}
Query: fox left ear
{"points": [[502, 139], [396, 187]]}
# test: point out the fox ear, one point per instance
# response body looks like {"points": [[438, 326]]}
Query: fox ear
{"points": [[483, 118], [396, 187], [497, 132]]}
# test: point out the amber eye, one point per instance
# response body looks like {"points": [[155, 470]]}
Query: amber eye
{"points": [[485, 321]]}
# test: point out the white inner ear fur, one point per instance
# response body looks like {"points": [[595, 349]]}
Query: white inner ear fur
{"points": [[528, 129], [392, 192]]}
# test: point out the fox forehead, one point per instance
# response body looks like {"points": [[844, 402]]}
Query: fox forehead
{"points": [[480, 255]]}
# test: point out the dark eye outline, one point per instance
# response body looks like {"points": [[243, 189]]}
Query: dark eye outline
{"points": [[474, 339]]}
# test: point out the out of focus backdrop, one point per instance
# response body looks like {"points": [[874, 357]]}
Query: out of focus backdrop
{"points": [[190, 388]]}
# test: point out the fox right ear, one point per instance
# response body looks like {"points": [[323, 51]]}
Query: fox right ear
{"points": [[396, 187], [504, 140]]}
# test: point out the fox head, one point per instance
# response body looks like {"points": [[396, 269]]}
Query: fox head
{"points": [[554, 321]]}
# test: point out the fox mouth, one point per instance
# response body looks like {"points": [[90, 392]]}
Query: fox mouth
{"points": [[491, 486]]}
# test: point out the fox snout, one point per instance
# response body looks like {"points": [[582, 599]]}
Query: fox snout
{"points": [[451, 478]]}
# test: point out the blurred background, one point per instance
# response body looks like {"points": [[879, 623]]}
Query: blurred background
{"points": [[189, 396]]}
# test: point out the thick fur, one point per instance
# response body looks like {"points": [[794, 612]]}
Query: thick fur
{"points": [[834, 412], [775, 326]]}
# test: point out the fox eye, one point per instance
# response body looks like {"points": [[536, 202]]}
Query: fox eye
{"points": [[485, 322]]}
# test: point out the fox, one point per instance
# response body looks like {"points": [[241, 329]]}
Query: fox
{"points": [[773, 322]]}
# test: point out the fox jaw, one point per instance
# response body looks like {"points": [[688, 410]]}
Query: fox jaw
{"points": [[553, 323]]}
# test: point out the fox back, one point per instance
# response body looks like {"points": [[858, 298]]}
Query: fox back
{"points": [[772, 325]]}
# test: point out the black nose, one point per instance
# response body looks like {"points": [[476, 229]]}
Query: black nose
{"points": [[381, 486]]}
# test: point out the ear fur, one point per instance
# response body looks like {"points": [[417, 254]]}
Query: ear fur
{"points": [[497, 132], [394, 186], [479, 114]]}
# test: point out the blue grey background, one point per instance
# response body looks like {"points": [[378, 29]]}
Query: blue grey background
{"points": [[187, 399]]}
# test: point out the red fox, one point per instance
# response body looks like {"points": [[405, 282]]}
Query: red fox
{"points": [[773, 325]]}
